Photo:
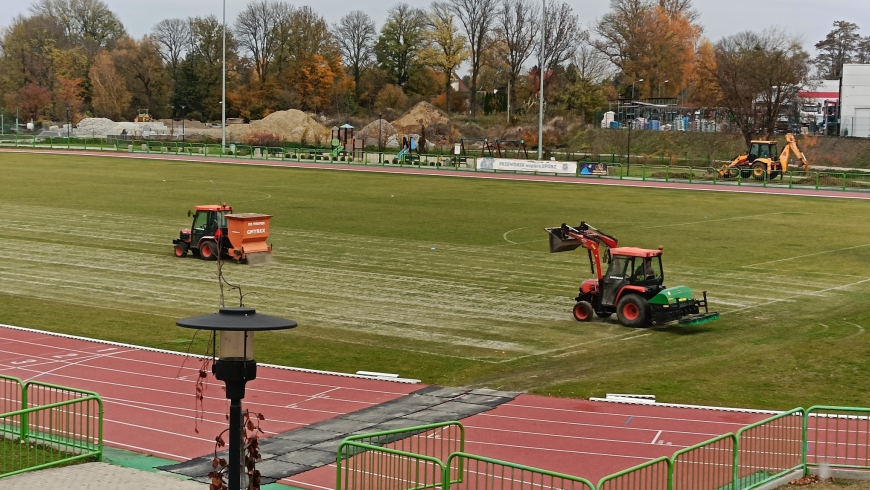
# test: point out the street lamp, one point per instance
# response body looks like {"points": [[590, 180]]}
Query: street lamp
{"points": [[380, 148], [172, 120], [235, 365], [541, 76], [182, 122]]}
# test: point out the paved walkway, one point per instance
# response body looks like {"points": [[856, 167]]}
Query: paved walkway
{"points": [[98, 476]]}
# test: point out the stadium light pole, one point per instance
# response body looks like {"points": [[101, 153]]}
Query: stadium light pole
{"points": [[541, 76], [630, 124], [224, 86]]}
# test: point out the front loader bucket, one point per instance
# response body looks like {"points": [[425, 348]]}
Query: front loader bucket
{"points": [[560, 242]]}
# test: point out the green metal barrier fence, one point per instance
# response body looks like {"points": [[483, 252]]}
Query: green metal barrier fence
{"points": [[367, 467], [708, 465], [838, 437], [434, 440], [652, 475], [769, 449], [470, 472], [49, 425]]}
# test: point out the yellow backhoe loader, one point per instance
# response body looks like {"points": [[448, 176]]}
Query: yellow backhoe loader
{"points": [[761, 162]]}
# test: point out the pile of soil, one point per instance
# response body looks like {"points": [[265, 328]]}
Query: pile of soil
{"points": [[370, 133], [293, 126], [98, 127], [423, 113]]}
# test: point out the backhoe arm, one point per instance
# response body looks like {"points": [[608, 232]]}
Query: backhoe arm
{"points": [[791, 146]]}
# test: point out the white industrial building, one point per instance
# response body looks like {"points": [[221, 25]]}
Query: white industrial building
{"points": [[855, 101]]}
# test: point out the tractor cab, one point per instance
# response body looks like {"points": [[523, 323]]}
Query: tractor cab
{"points": [[208, 226], [762, 149], [630, 266]]}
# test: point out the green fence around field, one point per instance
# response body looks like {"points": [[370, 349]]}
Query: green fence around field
{"points": [[791, 442], [663, 171], [45, 425]]}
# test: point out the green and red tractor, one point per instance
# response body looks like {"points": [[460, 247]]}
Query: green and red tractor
{"points": [[632, 286]]}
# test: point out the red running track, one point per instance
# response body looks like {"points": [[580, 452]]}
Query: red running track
{"points": [[149, 408], [747, 189], [148, 395]]}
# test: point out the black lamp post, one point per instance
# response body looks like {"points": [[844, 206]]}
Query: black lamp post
{"points": [[380, 123], [182, 122], [235, 365]]}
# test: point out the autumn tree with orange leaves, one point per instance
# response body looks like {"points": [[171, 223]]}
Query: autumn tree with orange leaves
{"points": [[650, 40]]}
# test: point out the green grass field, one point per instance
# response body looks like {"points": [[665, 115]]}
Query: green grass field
{"points": [[449, 280]]}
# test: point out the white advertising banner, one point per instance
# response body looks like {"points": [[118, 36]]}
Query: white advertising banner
{"points": [[545, 166]]}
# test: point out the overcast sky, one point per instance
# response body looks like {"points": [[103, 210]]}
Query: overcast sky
{"points": [[811, 19]]}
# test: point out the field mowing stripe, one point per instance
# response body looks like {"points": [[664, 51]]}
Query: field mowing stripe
{"points": [[706, 221], [809, 255], [844, 286], [550, 351]]}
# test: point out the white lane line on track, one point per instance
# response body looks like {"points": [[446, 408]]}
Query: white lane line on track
{"points": [[193, 369], [68, 364], [303, 484], [808, 255], [153, 429], [605, 426], [656, 438], [312, 397], [569, 451], [570, 410], [564, 436], [145, 450]]}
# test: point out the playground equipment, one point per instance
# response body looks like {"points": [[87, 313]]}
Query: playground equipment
{"points": [[344, 144], [518, 145], [462, 157], [410, 151]]}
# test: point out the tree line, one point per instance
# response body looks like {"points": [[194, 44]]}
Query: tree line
{"points": [[75, 56]]}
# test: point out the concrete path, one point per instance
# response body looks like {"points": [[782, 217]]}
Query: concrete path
{"points": [[98, 476]]}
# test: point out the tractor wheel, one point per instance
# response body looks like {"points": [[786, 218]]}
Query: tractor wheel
{"points": [[604, 316], [759, 170], [208, 251], [180, 250], [583, 311], [632, 311]]}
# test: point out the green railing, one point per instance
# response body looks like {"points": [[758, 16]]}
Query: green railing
{"points": [[769, 449], [368, 467], [617, 168], [708, 465], [838, 437], [774, 448], [51, 425], [652, 475], [470, 472]]}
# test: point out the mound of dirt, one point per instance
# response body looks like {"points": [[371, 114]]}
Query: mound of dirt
{"points": [[423, 113], [369, 134], [293, 125], [98, 127]]}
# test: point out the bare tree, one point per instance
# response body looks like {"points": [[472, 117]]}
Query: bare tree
{"points": [[561, 35], [759, 75], [356, 34], [173, 38], [516, 29], [255, 30], [88, 23], [478, 18], [590, 63]]}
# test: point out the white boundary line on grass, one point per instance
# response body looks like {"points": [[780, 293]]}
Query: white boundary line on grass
{"points": [[808, 255], [198, 356], [628, 401]]}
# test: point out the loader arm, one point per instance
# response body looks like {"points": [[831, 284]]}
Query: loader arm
{"points": [[791, 146], [592, 240]]}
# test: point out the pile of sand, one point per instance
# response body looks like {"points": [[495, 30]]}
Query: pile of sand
{"points": [[369, 134], [423, 113], [98, 127], [292, 125]]}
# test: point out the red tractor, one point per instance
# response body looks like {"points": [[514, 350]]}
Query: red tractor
{"points": [[216, 230], [633, 285]]}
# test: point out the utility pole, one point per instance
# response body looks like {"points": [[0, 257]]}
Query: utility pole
{"points": [[224, 87], [630, 124], [541, 76]]}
